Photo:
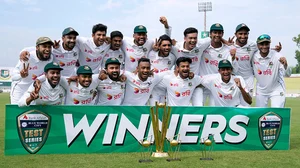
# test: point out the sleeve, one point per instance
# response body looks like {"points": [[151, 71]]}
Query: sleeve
{"points": [[64, 82], [205, 80], [288, 72], [16, 72], [42, 78], [80, 41], [168, 31], [204, 43], [22, 101], [162, 83], [29, 49], [243, 83]]}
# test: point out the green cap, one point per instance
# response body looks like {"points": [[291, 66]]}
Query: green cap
{"points": [[112, 61], [84, 70], [263, 38], [225, 64], [52, 65], [43, 40], [140, 29], [69, 30], [216, 26], [242, 26]]}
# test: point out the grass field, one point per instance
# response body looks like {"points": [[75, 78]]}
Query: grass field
{"points": [[272, 158]]}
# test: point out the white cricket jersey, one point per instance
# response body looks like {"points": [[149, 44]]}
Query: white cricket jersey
{"points": [[195, 54], [118, 54], [66, 59], [211, 58], [110, 92], [269, 73], [160, 64], [90, 54], [79, 95], [244, 57], [224, 94], [137, 92], [36, 69], [133, 52], [47, 95], [179, 91]]}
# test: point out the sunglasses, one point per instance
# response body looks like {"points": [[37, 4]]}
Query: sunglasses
{"points": [[264, 36]]}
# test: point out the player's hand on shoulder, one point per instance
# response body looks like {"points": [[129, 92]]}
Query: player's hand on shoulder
{"points": [[122, 78], [73, 79], [103, 74], [24, 56], [233, 53]]}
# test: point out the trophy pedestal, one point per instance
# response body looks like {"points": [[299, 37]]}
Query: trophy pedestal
{"points": [[206, 159], [160, 154]]}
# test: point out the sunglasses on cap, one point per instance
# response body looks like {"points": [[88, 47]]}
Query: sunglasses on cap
{"points": [[264, 36]]}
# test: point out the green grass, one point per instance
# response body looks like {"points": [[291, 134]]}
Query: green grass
{"points": [[272, 158]]}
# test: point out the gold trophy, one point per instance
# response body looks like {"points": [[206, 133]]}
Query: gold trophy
{"points": [[207, 145], [174, 148], [146, 150], [160, 136]]}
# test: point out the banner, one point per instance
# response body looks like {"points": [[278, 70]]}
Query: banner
{"points": [[105, 129]]}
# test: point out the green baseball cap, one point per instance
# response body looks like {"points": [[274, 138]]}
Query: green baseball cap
{"points": [[84, 70], [263, 38], [242, 26], [43, 40], [216, 26], [224, 64], [69, 30], [140, 29], [52, 65], [112, 61]]}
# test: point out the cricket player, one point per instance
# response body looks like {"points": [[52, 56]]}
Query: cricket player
{"points": [[139, 86], [213, 54], [178, 84], [93, 49], [269, 67], [25, 73], [139, 46], [48, 92], [245, 50], [226, 90], [67, 53], [161, 61], [192, 48], [115, 51], [111, 90]]}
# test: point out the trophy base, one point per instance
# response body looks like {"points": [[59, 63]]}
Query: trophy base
{"points": [[173, 159], [145, 160], [160, 154], [206, 159]]}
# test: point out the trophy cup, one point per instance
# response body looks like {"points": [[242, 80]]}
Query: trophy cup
{"points": [[159, 136], [146, 150], [207, 145], [174, 148]]}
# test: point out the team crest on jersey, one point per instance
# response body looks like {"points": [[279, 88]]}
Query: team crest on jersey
{"points": [[122, 86], [149, 83], [75, 54], [190, 84], [197, 50], [102, 51], [248, 49], [120, 56], [281, 93], [92, 91], [61, 95], [231, 88], [169, 62], [271, 64], [220, 56], [145, 49]]}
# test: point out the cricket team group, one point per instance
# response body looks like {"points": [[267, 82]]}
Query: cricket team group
{"points": [[118, 70]]}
